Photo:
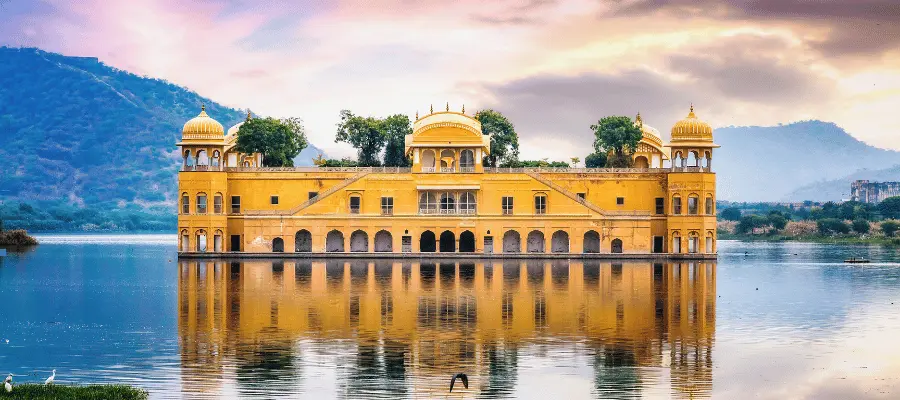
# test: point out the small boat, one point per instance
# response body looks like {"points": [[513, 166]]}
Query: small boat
{"points": [[856, 260]]}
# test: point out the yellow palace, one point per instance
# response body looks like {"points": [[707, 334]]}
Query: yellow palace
{"points": [[448, 202]]}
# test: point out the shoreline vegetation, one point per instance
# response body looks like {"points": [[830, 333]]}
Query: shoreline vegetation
{"points": [[56, 391], [16, 238]]}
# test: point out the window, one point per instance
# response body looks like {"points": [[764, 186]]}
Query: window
{"points": [[540, 204], [448, 203], [427, 203], [620, 201], [467, 203], [185, 204], [387, 206], [312, 194], [273, 200], [507, 205], [217, 204], [676, 205], [710, 209], [581, 195], [355, 202], [235, 204], [201, 203], [660, 205], [693, 204]]}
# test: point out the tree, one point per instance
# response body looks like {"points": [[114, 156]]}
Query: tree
{"points": [[395, 128], [890, 207], [750, 222], [828, 226], [279, 141], [504, 139], [777, 221], [731, 214], [595, 160], [575, 161], [618, 137], [889, 227], [861, 226], [364, 134]]}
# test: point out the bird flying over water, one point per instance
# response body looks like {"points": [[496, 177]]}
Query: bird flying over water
{"points": [[462, 377], [51, 378]]}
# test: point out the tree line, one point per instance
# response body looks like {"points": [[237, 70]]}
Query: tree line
{"points": [[381, 141], [830, 218]]}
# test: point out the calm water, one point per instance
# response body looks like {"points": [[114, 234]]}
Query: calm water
{"points": [[767, 321]]}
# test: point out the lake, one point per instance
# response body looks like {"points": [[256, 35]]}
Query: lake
{"points": [[768, 321]]}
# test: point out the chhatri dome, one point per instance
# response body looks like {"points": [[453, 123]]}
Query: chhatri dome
{"points": [[202, 124], [650, 133], [692, 129]]}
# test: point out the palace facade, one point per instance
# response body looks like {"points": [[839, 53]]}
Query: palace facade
{"points": [[448, 201]]}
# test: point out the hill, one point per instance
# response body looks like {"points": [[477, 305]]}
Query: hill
{"points": [[78, 131], [771, 163]]}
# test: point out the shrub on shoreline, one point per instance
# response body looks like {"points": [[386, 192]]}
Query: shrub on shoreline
{"points": [[16, 237], [38, 391]]}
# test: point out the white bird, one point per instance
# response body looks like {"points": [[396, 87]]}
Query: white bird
{"points": [[51, 378], [7, 383]]}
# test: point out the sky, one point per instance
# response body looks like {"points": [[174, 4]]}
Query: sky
{"points": [[553, 67]]}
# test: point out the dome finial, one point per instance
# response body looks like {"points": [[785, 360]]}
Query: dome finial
{"points": [[417, 115], [691, 114], [431, 108], [248, 115], [464, 109], [202, 106], [638, 119], [448, 106]]}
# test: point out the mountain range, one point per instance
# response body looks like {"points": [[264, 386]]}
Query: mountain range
{"points": [[75, 130]]}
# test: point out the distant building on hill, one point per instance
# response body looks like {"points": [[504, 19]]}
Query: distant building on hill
{"points": [[873, 192]]}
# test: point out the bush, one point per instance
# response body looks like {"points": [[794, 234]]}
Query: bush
{"points": [[861, 226], [830, 226], [889, 227], [750, 222], [731, 214], [16, 237], [800, 228], [595, 160]]}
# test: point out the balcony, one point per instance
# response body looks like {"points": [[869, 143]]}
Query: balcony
{"points": [[450, 211]]}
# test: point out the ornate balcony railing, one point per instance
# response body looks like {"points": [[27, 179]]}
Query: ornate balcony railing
{"points": [[451, 211], [447, 169], [428, 169], [467, 170]]}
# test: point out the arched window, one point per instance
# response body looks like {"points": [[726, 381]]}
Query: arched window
{"points": [[334, 242], [185, 203], [709, 242], [448, 203], [466, 242], [188, 160], [246, 164], [427, 203], [676, 204], [677, 160], [512, 242], [591, 242], [201, 240], [710, 206], [383, 242], [467, 203], [693, 204], [467, 161], [185, 241], [278, 245], [428, 161], [217, 203], [693, 159], [448, 161], [201, 203], [676, 242], [215, 158], [427, 242], [303, 241], [559, 242], [693, 242], [202, 158], [217, 241], [359, 242], [616, 246], [535, 242]]}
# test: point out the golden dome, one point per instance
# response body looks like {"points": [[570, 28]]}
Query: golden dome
{"points": [[650, 133], [202, 127], [692, 129]]}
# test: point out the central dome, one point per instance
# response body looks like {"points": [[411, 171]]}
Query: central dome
{"points": [[202, 124], [692, 129]]}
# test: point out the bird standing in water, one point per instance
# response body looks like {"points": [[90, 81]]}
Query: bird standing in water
{"points": [[51, 378], [462, 377]]}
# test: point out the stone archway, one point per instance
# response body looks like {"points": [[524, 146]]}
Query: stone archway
{"points": [[467, 242], [616, 246], [359, 242], [559, 242], [303, 241], [536, 242], [384, 242], [427, 242], [512, 242], [448, 242], [591, 242], [334, 242]]}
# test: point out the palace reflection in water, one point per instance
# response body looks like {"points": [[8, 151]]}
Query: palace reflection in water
{"points": [[402, 329]]}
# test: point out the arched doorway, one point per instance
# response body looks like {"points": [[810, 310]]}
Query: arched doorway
{"points": [[467, 242], [559, 242], [616, 246], [591, 242], [201, 241], [641, 162], [278, 245], [512, 242], [334, 242], [427, 242], [536, 243], [448, 242], [303, 241], [359, 242], [384, 242]]}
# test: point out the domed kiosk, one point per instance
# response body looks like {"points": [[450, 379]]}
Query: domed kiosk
{"points": [[650, 152]]}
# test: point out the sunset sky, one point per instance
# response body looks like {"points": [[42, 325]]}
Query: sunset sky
{"points": [[554, 67]]}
